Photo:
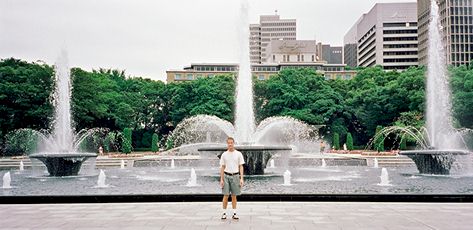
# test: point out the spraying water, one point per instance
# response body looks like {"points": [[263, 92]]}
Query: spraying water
{"points": [[375, 163], [173, 166], [62, 131], [122, 164], [287, 178], [324, 164], [439, 107], [193, 179], [101, 180], [271, 164], [384, 178], [6, 181], [244, 112], [22, 166]]}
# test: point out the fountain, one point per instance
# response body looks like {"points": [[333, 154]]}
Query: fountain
{"points": [[193, 179], [271, 164], [324, 164], [257, 143], [172, 164], [384, 178], [22, 166], [61, 155], [6, 181], [287, 178], [444, 142], [122, 164], [101, 180]]}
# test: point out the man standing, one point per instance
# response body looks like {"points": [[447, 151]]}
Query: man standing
{"points": [[231, 176]]}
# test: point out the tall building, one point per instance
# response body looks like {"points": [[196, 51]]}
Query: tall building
{"points": [[456, 17], [271, 27], [386, 36]]}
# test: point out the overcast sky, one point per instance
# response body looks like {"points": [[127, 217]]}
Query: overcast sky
{"points": [[147, 37]]}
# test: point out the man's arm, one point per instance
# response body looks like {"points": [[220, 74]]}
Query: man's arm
{"points": [[241, 175], [221, 175]]}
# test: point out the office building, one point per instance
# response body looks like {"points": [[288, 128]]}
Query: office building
{"points": [[271, 27], [456, 17], [386, 36]]}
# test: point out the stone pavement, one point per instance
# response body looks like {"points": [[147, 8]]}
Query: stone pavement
{"points": [[253, 215]]}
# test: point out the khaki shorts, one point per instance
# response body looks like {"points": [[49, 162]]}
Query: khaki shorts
{"points": [[231, 184]]}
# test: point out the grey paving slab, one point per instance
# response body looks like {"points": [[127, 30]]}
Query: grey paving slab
{"points": [[254, 215]]}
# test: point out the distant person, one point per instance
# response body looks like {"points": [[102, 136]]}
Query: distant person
{"points": [[100, 150], [322, 146], [231, 176]]}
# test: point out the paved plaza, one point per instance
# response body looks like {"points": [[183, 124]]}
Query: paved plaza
{"points": [[253, 215]]}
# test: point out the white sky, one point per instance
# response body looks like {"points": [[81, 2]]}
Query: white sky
{"points": [[147, 37]]}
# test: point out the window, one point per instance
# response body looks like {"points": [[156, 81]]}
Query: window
{"points": [[261, 77], [177, 76], [189, 76]]}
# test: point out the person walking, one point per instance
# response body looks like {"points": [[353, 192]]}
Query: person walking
{"points": [[231, 176]]}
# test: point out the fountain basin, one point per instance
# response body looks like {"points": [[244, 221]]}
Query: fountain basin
{"points": [[63, 164], [256, 156], [434, 161]]}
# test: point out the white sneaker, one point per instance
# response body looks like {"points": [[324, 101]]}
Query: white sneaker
{"points": [[235, 216], [224, 216]]}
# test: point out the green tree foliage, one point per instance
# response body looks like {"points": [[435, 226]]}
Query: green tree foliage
{"points": [[462, 85], [110, 99], [336, 141], [304, 95], [155, 143], [349, 141], [25, 95], [127, 140]]}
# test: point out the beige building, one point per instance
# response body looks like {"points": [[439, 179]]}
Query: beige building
{"points": [[271, 27], [260, 71], [386, 36], [457, 21]]}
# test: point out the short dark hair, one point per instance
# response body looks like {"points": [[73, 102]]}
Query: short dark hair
{"points": [[230, 138]]}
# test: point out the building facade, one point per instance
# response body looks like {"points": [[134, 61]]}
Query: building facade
{"points": [[386, 36], [456, 17], [271, 27], [260, 71], [330, 54]]}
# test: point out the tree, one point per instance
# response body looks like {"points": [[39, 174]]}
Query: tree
{"points": [[127, 140], [462, 88], [155, 143], [25, 96], [349, 141], [336, 141]]}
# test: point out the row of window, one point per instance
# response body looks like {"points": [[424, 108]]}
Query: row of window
{"points": [[400, 39], [413, 31], [396, 60], [398, 53], [461, 10], [278, 24], [279, 29], [399, 24], [399, 46], [277, 34], [462, 57], [461, 20], [462, 47], [460, 2], [188, 77], [216, 68]]}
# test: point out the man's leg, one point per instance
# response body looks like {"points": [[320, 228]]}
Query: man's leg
{"points": [[225, 201], [234, 202]]}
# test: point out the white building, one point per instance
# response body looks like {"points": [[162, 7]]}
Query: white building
{"points": [[386, 36], [271, 27]]}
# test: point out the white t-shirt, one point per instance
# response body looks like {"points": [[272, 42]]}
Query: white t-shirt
{"points": [[231, 160]]}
